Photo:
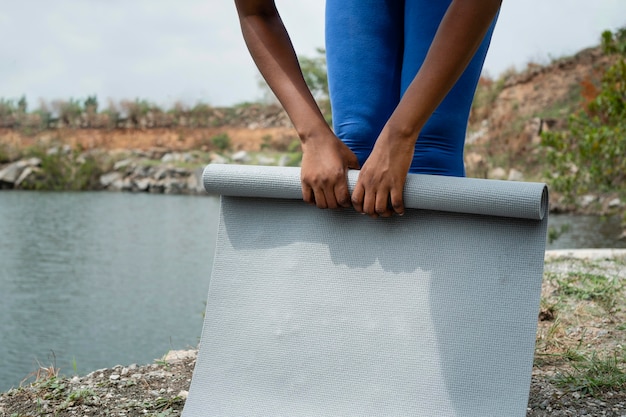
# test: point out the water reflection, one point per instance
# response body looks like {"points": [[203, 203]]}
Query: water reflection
{"points": [[585, 232], [100, 278]]}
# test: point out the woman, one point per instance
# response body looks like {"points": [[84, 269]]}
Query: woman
{"points": [[402, 76]]}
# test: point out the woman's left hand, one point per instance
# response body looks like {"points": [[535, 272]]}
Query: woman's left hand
{"points": [[379, 188]]}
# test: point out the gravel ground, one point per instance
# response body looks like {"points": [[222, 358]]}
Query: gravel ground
{"points": [[160, 389]]}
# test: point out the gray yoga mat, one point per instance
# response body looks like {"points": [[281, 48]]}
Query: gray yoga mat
{"points": [[331, 313]]}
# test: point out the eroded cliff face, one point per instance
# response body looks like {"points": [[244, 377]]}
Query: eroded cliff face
{"points": [[510, 114]]}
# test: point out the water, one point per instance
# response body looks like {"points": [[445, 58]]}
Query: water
{"points": [[92, 280], [586, 232]]}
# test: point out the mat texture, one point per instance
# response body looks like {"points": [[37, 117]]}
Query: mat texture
{"points": [[330, 313]]}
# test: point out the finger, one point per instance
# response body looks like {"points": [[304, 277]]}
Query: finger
{"points": [[320, 199], [382, 204], [331, 201], [307, 194], [342, 194], [357, 197], [369, 203], [397, 201]]}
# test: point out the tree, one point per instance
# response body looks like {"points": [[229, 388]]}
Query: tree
{"points": [[316, 77], [315, 74]]}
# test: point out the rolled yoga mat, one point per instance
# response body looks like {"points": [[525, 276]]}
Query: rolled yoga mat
{"points": [[331, 313]]}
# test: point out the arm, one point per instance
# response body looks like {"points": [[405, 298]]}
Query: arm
{"points": [[325, 159], [382, 177]]}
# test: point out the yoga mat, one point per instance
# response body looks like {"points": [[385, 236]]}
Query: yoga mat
{"points": [[331, 313]]}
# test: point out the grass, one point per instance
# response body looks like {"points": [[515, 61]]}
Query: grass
{"points": [[602, 290], [594, 373], [580, 338]]}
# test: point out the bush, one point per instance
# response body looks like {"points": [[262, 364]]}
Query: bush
{"points": [[62, 171], [589, 156], [221, 141]]}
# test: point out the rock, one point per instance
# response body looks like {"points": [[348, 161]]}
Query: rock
{"points": [[194, 182], [473, 137], [283, 161], [11, 173], [615, 203], [173, 186], [497, 173], [33, 162], [142, 184], [265, 160], [121, 184], [160, 174], [119, 165], [218, 159], [168, 157], [515, 175], [25, 173], [241, 157], [107, 179], [474, 161], [178, 356], [587, 200], [141, 171]]}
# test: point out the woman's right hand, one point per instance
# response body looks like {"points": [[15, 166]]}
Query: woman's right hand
{"points": [[324, 172]]}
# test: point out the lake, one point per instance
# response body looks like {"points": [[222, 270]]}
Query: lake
{"points": [[90, 280]]}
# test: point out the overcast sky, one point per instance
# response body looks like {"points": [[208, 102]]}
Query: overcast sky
{"points": [[192, 50]]}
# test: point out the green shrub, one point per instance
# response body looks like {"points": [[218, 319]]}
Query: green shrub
{"points": [[221, 141], [589, 156], [61, 171]]}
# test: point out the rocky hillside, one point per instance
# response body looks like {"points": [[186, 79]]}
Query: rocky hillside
{"points": [[510, 114], [507, 119]]}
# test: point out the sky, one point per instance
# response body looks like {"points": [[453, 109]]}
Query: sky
{"points": [[192, 51]]}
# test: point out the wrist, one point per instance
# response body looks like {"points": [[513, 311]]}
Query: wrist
{"points": [[314, 134], [400, 134]]}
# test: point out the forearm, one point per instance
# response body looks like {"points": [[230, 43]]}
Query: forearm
{"points": [[460, 33], [272, 51]]}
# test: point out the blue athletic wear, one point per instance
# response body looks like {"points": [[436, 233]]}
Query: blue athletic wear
{"points": [[374, 48]]}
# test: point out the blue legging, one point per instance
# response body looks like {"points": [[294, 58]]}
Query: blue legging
{"points": [[374, 49]]}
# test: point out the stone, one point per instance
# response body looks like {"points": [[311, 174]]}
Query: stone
{"points": [[587, 200], [218, 159], [497, 173], [515, 175], [168, 157], [109, 178], [25, 173], [283, 161], [265, 160], [33, 162], [11, 172], [142, 184], [241, 157], [614, 203], [473, 161], [119, 165], [177, 356]]}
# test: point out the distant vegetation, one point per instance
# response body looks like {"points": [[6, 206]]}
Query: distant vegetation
{"points": [[86, 113], [590, 156]]}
